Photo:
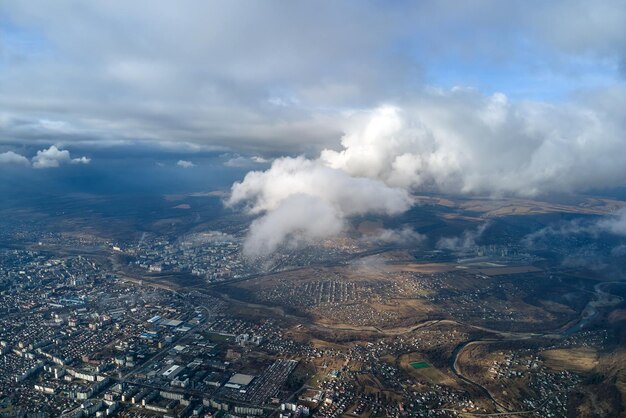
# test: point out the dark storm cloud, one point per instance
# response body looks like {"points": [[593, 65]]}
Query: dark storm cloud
{"points": [[261, 76], [218, 73]]}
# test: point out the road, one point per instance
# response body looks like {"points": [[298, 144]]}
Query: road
{"points": [[602, 299]]}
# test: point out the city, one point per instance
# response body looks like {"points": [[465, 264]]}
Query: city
{"points": [[359, 333]]}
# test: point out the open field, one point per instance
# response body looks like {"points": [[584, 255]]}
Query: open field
{"points": [[580, 359], [501, 271], [490, 208], [417, 367]]}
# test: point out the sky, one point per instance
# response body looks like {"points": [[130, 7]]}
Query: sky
{"points": [[524, 98]]}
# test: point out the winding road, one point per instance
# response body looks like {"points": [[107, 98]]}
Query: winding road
{"points": [[601, 300]]}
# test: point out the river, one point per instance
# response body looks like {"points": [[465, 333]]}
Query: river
{"points": [[600, 301]]}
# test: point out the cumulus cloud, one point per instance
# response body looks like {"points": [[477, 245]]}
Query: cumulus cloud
{"points": [[461, 141], [465, 242], [54, 157], [266, 190], [10, 157], [300, 219], [51, 157], [185, 164], [456, 141], [282, 192]]}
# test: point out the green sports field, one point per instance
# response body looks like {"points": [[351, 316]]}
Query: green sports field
{"points": [[420, 364]]}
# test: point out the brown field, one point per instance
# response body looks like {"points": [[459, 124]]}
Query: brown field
{"points": [[429, 374], [581, 359], [422, 267], [383, 296], [501, 271], [618, 315], [512, 206], [177, 197]]}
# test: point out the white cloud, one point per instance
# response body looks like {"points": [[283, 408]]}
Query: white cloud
{"points": [[54, 157], [287, 176], [282, 193], [10, 157], [51, 157], [455, 141], [185, 164], [300, 219], [81, 160], [461, 141], [239, 161]]}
